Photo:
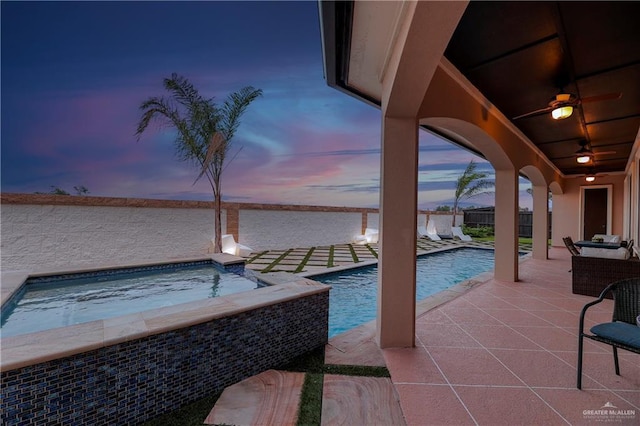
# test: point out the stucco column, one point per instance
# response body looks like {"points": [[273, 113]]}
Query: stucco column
{"points": [[397, 246], [540, 222], [506, 224]]}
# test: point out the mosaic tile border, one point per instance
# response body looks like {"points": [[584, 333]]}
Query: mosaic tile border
{"points": [[102, 273], [137, 380]]}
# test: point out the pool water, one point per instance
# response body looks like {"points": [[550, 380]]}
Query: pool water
{"points": [[352, 299], [46, 306]]}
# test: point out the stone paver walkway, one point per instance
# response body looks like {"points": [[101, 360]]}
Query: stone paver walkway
{"points": [[338, 256], [269, 398]]}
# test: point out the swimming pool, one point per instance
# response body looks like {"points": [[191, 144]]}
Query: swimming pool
{"points": [[352, 299], [50, 302]]}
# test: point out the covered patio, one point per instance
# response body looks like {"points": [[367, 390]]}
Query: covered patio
{"points": [[505, 353], [473, 73]]}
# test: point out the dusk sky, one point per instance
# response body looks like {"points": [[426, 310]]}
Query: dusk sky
{"points": [[74, 75]]}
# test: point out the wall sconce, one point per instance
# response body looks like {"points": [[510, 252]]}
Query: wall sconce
{"points": [[561, 113], [590, 178]]}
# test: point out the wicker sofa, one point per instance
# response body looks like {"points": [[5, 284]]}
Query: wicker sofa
{"points": [[591, 275]]}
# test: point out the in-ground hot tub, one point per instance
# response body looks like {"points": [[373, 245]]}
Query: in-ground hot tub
{"points": [[130, 368], [52, 301]]}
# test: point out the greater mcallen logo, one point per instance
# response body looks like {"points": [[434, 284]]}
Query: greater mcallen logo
{"points": [[609, 413]]}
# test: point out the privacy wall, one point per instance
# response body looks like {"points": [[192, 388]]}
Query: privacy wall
{"points": [[57, 232]]}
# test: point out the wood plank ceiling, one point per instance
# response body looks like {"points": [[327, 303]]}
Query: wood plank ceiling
{"points": [[521, 54]]}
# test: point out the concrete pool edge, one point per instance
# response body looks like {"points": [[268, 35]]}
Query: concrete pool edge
{"points": [[358, 346]]}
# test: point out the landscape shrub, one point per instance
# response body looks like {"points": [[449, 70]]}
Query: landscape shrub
{"points": [[479, 232]]}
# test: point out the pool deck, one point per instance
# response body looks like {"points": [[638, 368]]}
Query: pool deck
{"points": [[498, 353], [486, 352]]}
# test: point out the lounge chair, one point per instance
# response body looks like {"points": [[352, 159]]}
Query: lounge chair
{"points": [[457, 233], [424, 232], [432, 232], [623, 332], [230, 246]]}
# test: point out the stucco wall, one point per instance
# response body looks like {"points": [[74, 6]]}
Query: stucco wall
{"points": [[45, 232], [50, 232], [264, 229], [441, 220], [566, 208], [38, 237]]}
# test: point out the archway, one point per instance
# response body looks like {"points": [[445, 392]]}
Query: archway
{"points": [[506, 200], [540, 232]]}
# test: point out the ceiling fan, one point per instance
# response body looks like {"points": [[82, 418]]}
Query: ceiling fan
{"points": [[585, 154], [591, 175], [562, 105]]}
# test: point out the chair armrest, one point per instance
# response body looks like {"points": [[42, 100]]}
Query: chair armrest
{"points": [[609, 288]]}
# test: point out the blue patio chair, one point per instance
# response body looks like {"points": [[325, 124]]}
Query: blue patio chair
{"points": [[623, 332]]}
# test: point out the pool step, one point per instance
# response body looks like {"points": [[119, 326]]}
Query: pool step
{"points": [[269, 398]]}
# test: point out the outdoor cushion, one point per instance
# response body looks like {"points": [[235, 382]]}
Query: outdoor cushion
{"points": [[621, 332], [608, 238], [619, 253]]}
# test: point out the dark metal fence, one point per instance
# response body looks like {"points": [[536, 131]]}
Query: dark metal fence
{"points": [[486, 218]]}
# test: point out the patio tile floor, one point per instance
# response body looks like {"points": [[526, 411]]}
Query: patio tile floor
{"points": [[501, 353], [508, 352]]}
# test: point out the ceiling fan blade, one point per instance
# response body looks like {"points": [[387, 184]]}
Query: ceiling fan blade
{"points": [[534, 113], [604, 152], [603, 97]]}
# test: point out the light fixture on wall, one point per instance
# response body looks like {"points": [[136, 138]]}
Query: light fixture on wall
{"points": [[590, 177]]}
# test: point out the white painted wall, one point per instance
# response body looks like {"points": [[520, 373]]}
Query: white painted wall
{"points": [[274, 229], [46, 237], [442, 221], [373, 220], [43, 237]]}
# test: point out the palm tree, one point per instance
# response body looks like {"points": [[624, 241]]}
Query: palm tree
{"points": [[204, 130], [469, 184]]}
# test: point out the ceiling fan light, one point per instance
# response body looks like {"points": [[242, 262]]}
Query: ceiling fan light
{"points": [[590, 178], [561, 113], [583, 159]]}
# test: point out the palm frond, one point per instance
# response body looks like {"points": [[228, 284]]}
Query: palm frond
{"points": [[203, 129], [234, 107], [470, 183], [156, 109], [182, 90]]}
